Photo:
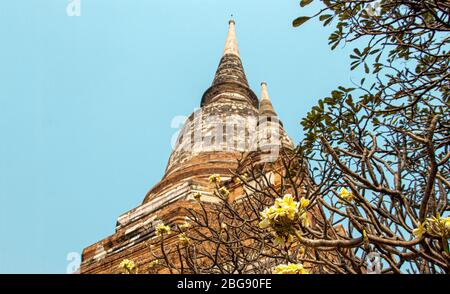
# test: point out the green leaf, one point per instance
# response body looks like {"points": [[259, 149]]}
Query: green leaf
{"points": [[303, 3], [354, 66], [377, 59], [336, 94], [327, 22], [324, 17], [300, 20]]}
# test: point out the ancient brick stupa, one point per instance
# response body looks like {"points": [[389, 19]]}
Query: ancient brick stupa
{"points": [[207, 145]]}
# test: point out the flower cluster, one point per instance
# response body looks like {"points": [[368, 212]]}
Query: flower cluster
{"points": [[162, 229], [185, 225], [434, 226], [290, 269], [185, 240], [214, 179], [420, 230], [283, 216], [237, 180], [197, 196], [224, 192], [346, 195], [127, 266], [153, 263]]}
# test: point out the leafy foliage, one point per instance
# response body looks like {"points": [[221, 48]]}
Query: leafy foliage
{"points": [[389, 140]]}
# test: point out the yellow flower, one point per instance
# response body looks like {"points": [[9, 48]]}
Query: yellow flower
{"points": [[279, 240], [346, 195], [214, 179], [223, 226], [290, 269], [304, 202], [184, 239], [419, 231], [197, 196], [127, 266], [268, 213], [438, 226], [447, 223], [185, 225], [153, 263], [224, 191], [264, 224], [237, 181], [286, 207], [282, 239], [163, 229], [305, 220], [285, 213]]}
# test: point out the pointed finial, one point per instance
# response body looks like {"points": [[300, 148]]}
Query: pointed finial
{"points": [[232, 20], [264, 92], [231, 45], [265, 106]]}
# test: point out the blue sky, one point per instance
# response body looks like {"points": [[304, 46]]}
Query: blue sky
{"points": [[86, 104]]}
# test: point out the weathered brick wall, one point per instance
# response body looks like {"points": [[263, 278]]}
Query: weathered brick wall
{"points": [[136, 228]]}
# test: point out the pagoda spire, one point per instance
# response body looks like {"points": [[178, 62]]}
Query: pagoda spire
{"points": [[231, 44], [266, 107], [230, 81]]}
